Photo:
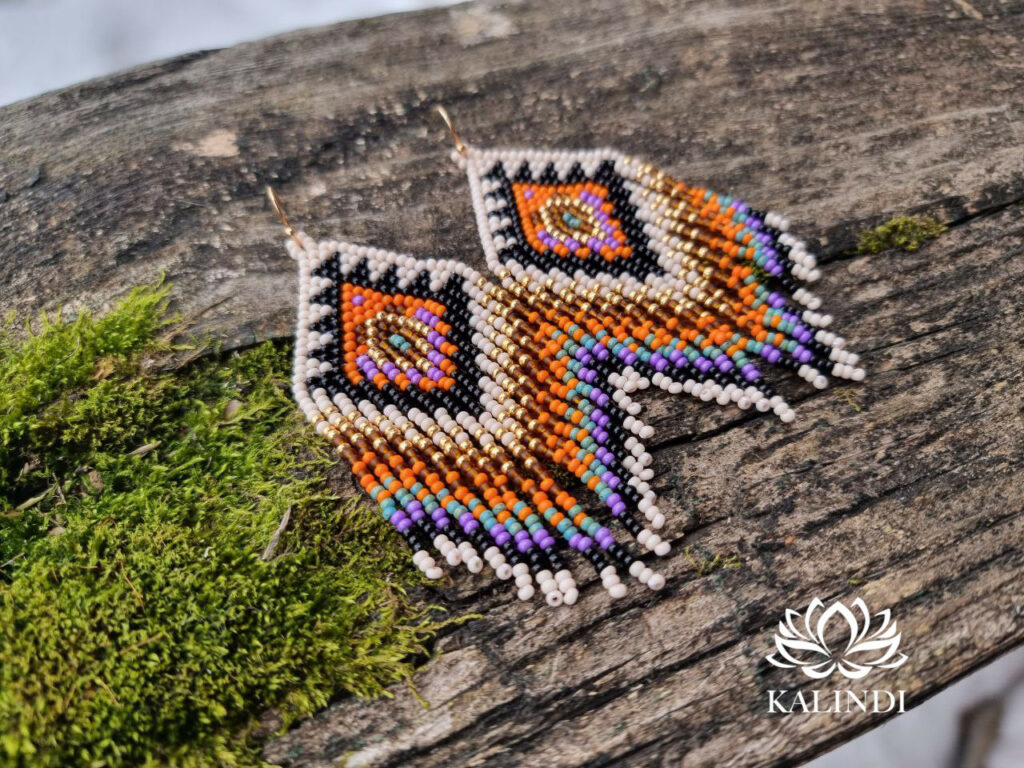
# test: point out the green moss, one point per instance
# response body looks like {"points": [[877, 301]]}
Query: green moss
{"points": [[705, 563], [139, 624], [850, 396], [906, 233]]}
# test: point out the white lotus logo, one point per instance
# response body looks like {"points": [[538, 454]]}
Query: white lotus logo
{"points": [[800, 641]]}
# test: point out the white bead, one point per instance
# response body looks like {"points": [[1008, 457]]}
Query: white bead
{"points": [[656, 582]]}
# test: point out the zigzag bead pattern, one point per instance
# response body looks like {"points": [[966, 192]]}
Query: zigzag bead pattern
{"points": [[472, 411]]}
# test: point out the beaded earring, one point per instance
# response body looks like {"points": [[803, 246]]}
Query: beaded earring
{"points": [[473, 410], [690, 289], [420, 374]]}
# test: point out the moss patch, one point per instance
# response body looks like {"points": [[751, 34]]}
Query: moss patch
{"points": [[906, 233], [705, 563], [139, 624]]}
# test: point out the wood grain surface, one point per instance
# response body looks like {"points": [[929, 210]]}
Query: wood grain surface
{"points": [[904, 490]]}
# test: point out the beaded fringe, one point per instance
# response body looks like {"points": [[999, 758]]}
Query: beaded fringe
{"points": [[466, 404]]}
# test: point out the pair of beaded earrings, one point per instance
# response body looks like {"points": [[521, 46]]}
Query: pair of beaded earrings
{"points": [[474, 408]]}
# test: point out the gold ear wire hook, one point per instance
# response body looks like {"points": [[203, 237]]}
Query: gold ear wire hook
{"points": [[461, 148], [275, 203]]}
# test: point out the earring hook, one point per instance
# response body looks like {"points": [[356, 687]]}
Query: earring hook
{"points": [[460, 147], [275, 203]]}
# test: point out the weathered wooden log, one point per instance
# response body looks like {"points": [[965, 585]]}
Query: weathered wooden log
{"points": [[904, 490]]}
